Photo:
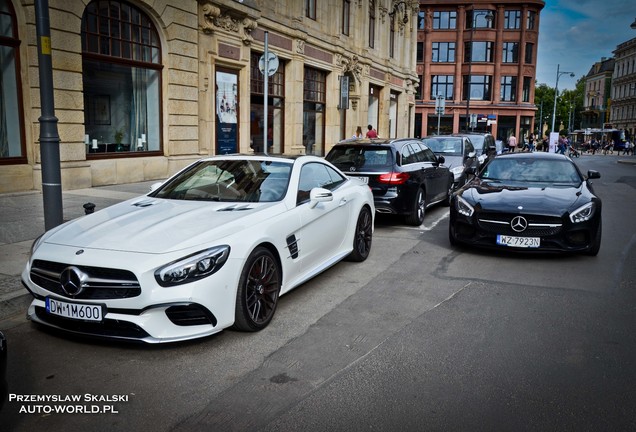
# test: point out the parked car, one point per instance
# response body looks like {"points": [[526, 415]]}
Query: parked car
{"points": [[212, 247], [530, 202], [458, 153], [484, 144], [4, 386], [404, 175]]}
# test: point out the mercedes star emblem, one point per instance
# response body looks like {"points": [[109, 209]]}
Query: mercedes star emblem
{"points": [[72, 280], [519, 223]]}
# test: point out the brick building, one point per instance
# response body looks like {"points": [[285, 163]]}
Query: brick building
{"points": [[484, 49]]}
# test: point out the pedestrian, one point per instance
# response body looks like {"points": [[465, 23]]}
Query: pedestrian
{"points": [[512, 142], [531, 142], [562, 145], [371, 133], [358, 133]]}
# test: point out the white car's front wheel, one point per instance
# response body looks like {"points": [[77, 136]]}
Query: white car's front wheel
{"points": [[258, 291]]}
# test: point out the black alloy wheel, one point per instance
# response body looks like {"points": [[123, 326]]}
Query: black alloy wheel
{"points": [[258, 291], [362, 237]]}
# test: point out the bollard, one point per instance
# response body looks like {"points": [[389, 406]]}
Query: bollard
{"points": [[89, 208]]}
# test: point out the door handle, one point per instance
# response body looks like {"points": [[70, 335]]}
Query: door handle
{"points": [[342, 202]]}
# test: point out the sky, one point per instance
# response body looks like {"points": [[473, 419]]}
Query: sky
{"points": [[578, 33]]}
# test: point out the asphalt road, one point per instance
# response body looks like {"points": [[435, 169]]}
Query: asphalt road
{"points": [[419, 337]]}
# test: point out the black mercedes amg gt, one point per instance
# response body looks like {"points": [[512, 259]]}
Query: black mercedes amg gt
{"points": [[528, 202]]}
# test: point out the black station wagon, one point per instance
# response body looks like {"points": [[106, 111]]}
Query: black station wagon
{"points": [[404, 175]]}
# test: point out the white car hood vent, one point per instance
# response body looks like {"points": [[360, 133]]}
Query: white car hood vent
{"points": [[236, 208], [145, 203]]}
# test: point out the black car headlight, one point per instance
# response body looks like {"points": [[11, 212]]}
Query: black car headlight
{"points": [[193, 267], [463, 207], [583, 213]]}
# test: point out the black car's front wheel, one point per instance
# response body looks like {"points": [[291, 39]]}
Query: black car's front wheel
{"points": [[416, 217], [258, 291], [596, 242], [362, 237]]}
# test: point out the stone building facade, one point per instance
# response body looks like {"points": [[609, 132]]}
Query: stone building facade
{"points": [[144, 87], [623, 109]]}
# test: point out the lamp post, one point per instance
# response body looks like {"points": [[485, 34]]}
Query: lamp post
{"points": [[489, 17], [556, 92]]}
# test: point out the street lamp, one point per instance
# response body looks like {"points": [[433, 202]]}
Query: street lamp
{"points": [[556, 92], [489, 17]]}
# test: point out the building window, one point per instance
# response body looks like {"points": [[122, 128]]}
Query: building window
{"points": [[346, 16], [419, 55], [421, 20], [531, 20], [525, 95], [443, 52], [478, 18], [121, 65], [508, 88], [510, 52], [512, 19], [310, 9], [12, 146], [314, 100], [529, 55], [481, 52], [442, 85], [275, 107], [443, 20], [478, 86], [372, 24]]}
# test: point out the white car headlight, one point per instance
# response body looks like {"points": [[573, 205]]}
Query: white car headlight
{"points": [[193, 267], [463, 207], [583, 213], [457, 172]]}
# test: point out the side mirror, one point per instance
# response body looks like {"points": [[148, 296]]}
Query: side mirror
{"points": [[472, 154], [440, 160], [593, 174], [318, 195]]}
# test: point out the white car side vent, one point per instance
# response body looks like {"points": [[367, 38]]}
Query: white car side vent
{"points": [[145, 203]]}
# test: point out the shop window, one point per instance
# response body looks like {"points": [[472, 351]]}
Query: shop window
{"points": [[121, 64], [275, 107], [314, 102], [12, 146]]}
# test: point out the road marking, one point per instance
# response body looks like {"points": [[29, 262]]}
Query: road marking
{"points": [[423, 227]]}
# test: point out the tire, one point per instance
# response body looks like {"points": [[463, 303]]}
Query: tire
{"points": [[362, 237], [451, 236], [258, 291], [596, 246], [416, 217]]}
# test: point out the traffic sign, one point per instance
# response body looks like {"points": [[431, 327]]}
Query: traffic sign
{"points": [[272, 64]]}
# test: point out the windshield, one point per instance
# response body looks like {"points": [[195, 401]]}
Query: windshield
{"points": [[478, 142], [229, 180], [372, 158], [448, 146], [531, 170]]}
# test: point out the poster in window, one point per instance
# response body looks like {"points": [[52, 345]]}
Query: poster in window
{"points": [[101, 110], [226, 112]]}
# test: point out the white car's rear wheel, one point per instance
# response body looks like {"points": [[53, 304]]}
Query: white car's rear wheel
{"points": [[258, 291]]}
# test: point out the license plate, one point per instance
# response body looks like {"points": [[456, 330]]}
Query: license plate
{"points": [[78, 311], [520, 242], [363, 179]]}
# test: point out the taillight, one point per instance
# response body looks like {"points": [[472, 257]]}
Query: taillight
{"points": [[393, 178]]}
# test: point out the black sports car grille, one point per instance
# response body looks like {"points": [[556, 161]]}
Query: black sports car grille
{"points": [[538, 225], [100, 284]]}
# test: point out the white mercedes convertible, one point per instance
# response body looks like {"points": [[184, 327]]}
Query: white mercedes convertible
{"points": [[212, 247]]}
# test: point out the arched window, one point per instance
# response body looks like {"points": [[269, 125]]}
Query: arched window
{"points": [[121, 61], [12, 147]]}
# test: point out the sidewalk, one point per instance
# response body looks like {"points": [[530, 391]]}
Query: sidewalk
{"points": [[22, 221]]}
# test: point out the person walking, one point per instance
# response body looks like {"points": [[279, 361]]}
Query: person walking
{"points": [[512, 142], [371, 133], [531, 142]]}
